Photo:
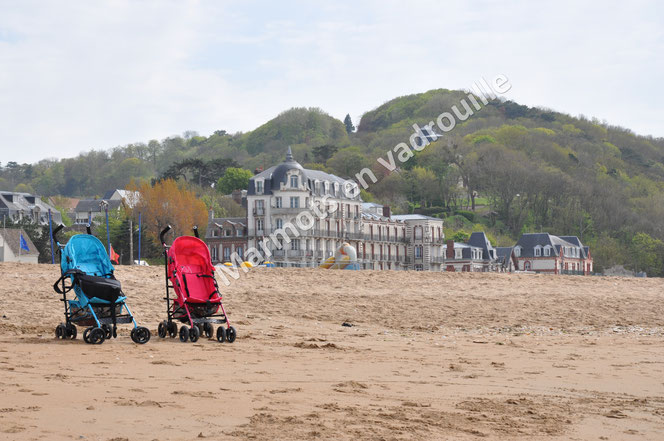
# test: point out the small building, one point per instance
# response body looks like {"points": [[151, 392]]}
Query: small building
{"points": [[17, 206], [225, 236], [10, 246], [546, 253], [505, 259], [477, 255], [462, 257], [87, 210]]}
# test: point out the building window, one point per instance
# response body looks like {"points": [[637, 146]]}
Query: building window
{"points": [[295, 244], [419, 267], [227, 253], [547, 250], [295, 202], [277, 202], [279, 223], [259, 187], [213, 252], [418, 251], [293, 181], [240, 252], [239, 232], [259, 225], [418, 233], [526, 265], [517, 251], [458, 254], [538, 251]]}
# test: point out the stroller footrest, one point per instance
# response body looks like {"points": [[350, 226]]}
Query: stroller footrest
{"points": [[217, 321], [109, 320]]}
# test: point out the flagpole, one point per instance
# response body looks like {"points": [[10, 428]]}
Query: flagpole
{"points": [[50, 235], [139, 238], [19, 247]]}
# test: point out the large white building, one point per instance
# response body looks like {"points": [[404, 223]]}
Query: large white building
{"points": [[302, 216]]}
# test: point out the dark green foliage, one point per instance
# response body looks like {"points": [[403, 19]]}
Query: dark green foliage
{"points": [[324, 152], [467, 214], [204, 173], [348, 122]]}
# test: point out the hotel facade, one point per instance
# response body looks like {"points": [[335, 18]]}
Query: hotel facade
{"points": [[284, 207]]}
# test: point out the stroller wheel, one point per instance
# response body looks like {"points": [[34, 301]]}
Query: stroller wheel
{"points": [[208, 329], [161, 329], [231, 334], [96, 336], [60, 331], [108, 332], [70, 331], [221, 334], [184, 334], [194, 333], [86, 334], [140, 335], [172, 329]]}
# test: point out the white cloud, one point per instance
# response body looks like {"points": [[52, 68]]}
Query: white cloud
{"points": [[81, 75]]}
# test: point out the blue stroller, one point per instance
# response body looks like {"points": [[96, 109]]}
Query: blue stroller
{"points": [[99, 301]]}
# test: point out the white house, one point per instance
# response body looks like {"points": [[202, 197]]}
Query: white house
{"points": [[10, 246]]}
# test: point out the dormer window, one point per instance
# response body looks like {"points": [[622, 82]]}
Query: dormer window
{"points": [[538, 251], [259, 187], [547, 250], [517, 251], [326, 187]]}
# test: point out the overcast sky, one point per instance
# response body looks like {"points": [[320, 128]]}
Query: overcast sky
{"points": [[78, 75]]}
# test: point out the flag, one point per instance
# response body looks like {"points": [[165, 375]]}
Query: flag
{"points": [[24, 244], [115, 258]]}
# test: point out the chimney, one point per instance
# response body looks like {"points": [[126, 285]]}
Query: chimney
{"points": [[237, 196], [210, 215], [449, 252], [258, 170], [386, 211]]}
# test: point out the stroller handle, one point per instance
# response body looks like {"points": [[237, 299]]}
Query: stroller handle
{"points": [[163, 233], [88, 229], [56, 231], [196, 231]]}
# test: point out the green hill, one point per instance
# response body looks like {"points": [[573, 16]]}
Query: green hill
{"points": [[506, 169]]}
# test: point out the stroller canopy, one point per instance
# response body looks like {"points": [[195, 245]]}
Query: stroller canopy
{"points": [[86, 253], [191, 271], [191, 255]]}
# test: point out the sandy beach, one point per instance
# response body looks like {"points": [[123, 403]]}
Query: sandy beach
{"points": [[430, 356]]}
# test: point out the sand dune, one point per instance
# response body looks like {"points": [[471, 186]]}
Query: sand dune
{"points": [[429, 356]]}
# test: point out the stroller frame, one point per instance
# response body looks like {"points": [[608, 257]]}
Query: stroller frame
{"points": [[108, 311], [175, 311]]}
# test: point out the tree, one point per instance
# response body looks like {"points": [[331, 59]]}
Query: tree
{"points": [[168, 203], [348, 122], [348, 161], [234, 179], [324, 152]]}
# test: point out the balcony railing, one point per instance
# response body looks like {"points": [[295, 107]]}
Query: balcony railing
{"points": [[259, 211]]}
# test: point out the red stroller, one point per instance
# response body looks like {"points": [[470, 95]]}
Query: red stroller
{"points": [[189, 272]]}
